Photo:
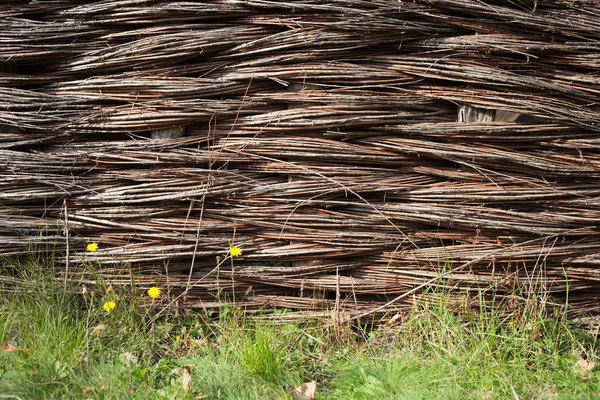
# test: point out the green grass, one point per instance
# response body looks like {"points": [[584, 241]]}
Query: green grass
{"points": [[433, 354]]}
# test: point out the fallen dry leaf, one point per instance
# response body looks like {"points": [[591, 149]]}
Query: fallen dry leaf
{"points": [[306, 391], [97, 330], [394, 320], [187, 378], [9, 348], [584, 369]]}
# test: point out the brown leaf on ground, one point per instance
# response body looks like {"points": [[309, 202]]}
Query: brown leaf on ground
{"points": [[98, 330], [187, 378], [9, 348], [396, 319], [584, 369], [306, 391]]}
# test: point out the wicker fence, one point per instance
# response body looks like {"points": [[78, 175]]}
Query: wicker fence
{"points": [[322, 137]]}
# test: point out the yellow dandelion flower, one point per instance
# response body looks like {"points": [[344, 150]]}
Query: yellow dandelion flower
{"points": [[154, 292], [235, 251], [92, 247], [109, 306], [178, 338]]}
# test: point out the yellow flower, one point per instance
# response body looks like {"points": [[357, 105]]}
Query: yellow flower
{"points": [[235, 251], [109, 289], [154, 292], [92, 247], [109, 306], [178, 338]]}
